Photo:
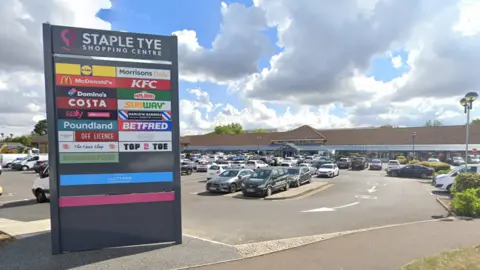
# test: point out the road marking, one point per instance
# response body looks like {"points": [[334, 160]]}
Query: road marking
{"points": [[366, 197], [327, 209], [372, 189], [376, 184], [207, 240]]}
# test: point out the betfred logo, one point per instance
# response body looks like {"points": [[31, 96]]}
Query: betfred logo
{"points": [[144, 95], [145, 126], [143, 84], [86, 103], [70, 80]]}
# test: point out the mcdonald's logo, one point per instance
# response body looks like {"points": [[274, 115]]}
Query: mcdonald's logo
{"points": [[66, 80]]}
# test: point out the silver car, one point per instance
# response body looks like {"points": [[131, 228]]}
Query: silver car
{"points": [[228, 181]]}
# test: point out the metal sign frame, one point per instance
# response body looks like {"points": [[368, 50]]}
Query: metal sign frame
{"points": [[76, 227]]}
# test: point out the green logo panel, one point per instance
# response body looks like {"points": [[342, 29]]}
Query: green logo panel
{"points": [[76, 158], [135, 94]]}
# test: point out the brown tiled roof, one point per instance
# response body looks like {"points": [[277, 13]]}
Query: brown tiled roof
{"points": [[40, 139], [385, 136], [303, 132]]}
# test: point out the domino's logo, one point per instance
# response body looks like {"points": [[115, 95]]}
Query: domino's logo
{"points": [[72, 92]]}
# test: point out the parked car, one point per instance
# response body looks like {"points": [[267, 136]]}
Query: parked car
{"points": [[186, 168], [40, 165], [310, 167], [41, 186], [328, 170], [445, 181], [375, 164], [433, 160], [255, 164], [265, 181], [239, 164], [203, 166], [393, 164], [215, 170], [28, 163], [344, 163], [286, 164], [456, 161], [299, 176], [411, 170], [228, 181], [359, 163]]}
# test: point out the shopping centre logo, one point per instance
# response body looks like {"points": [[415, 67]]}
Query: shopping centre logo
{"points": [[68, 37]]}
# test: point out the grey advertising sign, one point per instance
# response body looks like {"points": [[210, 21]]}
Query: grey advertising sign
{"points": [[114, 178], [92, 42]]}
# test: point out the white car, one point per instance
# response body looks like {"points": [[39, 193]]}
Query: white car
{"points": [[203, 166], [215, 170], [309, 166], [239, 164], [291, 160], [445, 181], [328, 170], [255, 164], [393, 164], [433, 160]]}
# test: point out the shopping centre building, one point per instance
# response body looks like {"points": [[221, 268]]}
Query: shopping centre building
{"points": [[385, 143]]}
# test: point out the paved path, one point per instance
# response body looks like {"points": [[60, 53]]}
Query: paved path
{"points": [[381, 249]]}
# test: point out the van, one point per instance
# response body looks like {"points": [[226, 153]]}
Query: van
{"points": [[41, 186], [445, 181], [28, 163], [6, 160]]}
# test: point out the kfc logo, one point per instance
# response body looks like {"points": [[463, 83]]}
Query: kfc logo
{"points": [[144, 84]]}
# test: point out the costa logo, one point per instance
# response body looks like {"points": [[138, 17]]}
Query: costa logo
{"points": [[86, 103], [96, 136], [61, 91], [143, 84], [74, 80], [83, 114], [146, 147]]}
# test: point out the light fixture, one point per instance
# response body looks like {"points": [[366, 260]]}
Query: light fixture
{"points": [[471, 96], [463, 101]]}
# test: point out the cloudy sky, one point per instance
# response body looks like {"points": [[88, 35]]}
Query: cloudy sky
{"points": [[272, 64]]}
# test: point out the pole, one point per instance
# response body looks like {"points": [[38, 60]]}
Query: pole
{"points": [[413, 146], [467, 134]]}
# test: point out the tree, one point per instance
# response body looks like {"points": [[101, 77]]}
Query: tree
{"points": [[25, 140], [260, 131], [40, 127], [476, 121], [233, 128], [433, 123]]}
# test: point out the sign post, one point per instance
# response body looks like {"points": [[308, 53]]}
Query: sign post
{"points": [[114, 140]]}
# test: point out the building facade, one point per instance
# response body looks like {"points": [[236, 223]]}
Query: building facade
{"points": [[386, 143]]}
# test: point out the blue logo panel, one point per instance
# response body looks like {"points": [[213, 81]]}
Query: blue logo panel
{"points": [[116, 178], [87, 125]]}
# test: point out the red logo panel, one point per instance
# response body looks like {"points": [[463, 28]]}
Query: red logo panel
{"points": [[96, 136], [143, 84], [87, 103], [73, 80]]}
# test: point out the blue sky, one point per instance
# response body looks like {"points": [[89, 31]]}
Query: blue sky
{"points": [[164, 17]]}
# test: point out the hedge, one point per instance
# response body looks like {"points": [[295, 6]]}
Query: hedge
{"points": [[437, 166], [402, 159], [414, 161], [467, 203], [465, 181]]}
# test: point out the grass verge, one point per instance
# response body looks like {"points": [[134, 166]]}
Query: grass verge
{"points": [[5, 239], [467, 259]]}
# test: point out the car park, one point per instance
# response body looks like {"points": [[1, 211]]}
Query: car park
{"points": [[265, 181], [359, 163], [203, 165], [328, 170], [215, 170], [255, 164], [228, 181], [344, 163], [456, 161], [393, 164], [28, 163], [411, 170], [239, 164], [299, 176], [186, 167], [375, 164]]}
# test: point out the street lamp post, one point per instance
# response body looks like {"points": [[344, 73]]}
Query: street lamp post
{"points": [[467, 102], [258, 144], [413, 145]]}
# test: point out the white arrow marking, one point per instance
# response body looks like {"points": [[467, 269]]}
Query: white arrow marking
{"points": [[376, 184], [326, 209], [372, 189], [366, 197]]}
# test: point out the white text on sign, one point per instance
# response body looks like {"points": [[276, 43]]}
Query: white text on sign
{"points": [[145, 146]]}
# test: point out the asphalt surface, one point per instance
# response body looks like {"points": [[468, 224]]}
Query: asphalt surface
{"points": [[233, 221], [17, 186], [387, 248]]}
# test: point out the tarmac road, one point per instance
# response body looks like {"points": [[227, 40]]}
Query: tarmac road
{"points": [[16, 186], [237, 221]]}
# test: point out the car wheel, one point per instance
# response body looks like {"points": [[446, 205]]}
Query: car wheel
{"points": [[394, 174], [40, 196], [297, 184], [287, 186], [268, 192], [24, 168], [9, 165], [233, 188], [189, 172], [449, 187], [423, 175]]}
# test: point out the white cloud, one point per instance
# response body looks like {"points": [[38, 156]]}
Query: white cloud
{"points": [[397, 61]]}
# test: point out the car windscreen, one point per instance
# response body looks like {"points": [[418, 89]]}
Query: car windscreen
{"points": [[343, 160], [214, 167], [376, 161], [327, 166], [293, 171], [229, 173], [261, 174], [251, 163], [393, 162]]}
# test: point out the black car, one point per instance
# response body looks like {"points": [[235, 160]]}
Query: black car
{"points": [[299, 176], [411, 171], [187, 167], [40, 165], [265, 181]]}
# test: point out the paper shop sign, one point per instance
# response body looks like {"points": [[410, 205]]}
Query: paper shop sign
{"points": [[79, 158], [139, 136], [145, 146], [88, 146]]}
